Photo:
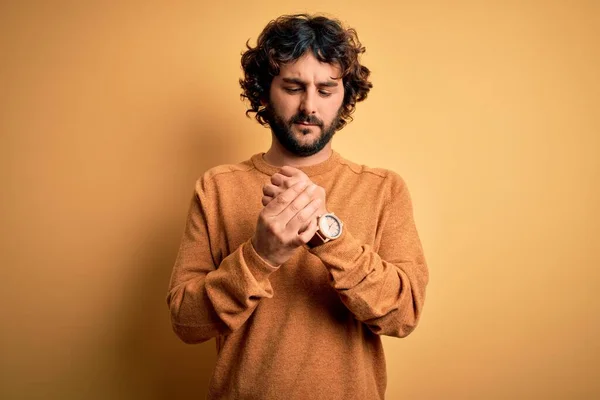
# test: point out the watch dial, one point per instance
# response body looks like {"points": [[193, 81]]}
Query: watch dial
{"points": [[331, 226]]}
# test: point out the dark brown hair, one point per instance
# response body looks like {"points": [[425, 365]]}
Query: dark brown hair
{"points": [[288, 38]]}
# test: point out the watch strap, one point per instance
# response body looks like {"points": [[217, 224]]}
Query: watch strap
{"points": [[317, 240]]}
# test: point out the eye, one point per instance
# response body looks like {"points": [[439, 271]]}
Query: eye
{"points": [[293, 90], [324, 93]]}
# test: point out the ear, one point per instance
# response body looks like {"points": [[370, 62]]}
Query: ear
{"points": [[263, 104]]}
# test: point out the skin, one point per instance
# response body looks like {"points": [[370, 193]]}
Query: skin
{"points": [[311, 89]]}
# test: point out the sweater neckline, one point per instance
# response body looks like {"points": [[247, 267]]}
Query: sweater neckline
{"points": [[310, 170]]}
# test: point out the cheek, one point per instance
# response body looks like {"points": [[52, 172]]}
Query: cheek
{"points": [[333, 108], [283, 108]]}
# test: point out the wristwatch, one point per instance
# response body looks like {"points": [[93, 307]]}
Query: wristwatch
{"points": [[329, 228]]}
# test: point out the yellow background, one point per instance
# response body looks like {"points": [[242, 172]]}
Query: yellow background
{"points": [[490, 111]]}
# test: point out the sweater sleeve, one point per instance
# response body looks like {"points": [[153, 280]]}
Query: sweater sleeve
{"points": [[383, 289], [207, 300]]}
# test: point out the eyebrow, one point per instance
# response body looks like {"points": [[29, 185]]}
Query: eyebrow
{"points": [[330, 83]]}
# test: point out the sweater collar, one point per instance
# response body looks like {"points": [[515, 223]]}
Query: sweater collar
{"points": [[311, 170]]}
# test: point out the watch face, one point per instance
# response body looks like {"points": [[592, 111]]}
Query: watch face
{"points": [[330, 226]]}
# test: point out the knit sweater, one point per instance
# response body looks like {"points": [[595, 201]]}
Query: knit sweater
{"points": [[310, 328]]}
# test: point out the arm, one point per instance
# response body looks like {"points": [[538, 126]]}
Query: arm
{"points": [[384, 289], [206, 301]]}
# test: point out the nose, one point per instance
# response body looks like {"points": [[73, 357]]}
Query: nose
{"points": [[308, 103]]}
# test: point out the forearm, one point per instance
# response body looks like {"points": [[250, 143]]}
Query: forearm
{"points": [[204, 305], [193, 316], [387, 296]]}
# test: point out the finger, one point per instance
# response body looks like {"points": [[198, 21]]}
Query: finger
{"points": [[295, 206], [308, 233], [272, 190], [280, 202], [266, 200], [285, 182], [309, 224], [277, 179], [303, 217], [290, 171]]}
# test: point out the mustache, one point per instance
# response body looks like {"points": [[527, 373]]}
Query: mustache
{"points": [[309, 119]]}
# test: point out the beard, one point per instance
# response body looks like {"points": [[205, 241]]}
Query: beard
{"points": [[282, 130]]}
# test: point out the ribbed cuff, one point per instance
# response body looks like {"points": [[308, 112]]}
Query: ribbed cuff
{"points": [[338, 253], [259, 268]]}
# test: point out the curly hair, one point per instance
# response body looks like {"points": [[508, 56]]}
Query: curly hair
{"points": [[288, 38]]}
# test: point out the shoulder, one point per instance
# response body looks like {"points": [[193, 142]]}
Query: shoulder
{"points": [[221, 174], [226, 169], [381, 176]]}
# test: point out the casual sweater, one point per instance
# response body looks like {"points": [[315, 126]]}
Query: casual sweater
{"points": [[310, 328]]}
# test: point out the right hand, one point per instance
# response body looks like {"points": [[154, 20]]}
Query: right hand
{"points": [[286, 178], [286, 223]]}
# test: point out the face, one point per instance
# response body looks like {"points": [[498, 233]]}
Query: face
{"points": [[305, 105]]}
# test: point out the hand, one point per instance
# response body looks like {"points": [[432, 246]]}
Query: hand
{"points": [[286, 178], [286, 223]]}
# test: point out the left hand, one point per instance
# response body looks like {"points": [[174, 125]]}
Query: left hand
{"points": [[286, 178]]}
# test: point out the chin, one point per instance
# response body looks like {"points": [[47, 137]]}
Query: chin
{"points": [[305, 130]]}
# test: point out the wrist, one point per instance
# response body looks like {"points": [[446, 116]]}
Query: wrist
{"points": [[261, 254], [329, 228]]}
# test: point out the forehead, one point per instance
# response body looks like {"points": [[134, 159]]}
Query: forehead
{"points": [[309, 69]]}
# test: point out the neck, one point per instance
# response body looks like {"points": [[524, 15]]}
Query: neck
{"points": [[279, 156]]}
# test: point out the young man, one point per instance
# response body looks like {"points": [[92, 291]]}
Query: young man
{"points": [[297, 260]]}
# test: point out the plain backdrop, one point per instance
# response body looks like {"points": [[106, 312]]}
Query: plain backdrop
{"points": [[109, 112]]}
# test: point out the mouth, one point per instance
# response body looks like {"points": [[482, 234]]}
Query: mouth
{"points": [[305, 124]]}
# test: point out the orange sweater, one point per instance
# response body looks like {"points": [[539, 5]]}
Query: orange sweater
{"points": [[310, 328]]}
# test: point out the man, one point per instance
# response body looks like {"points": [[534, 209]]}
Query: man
{"points": [[298, 260]]}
